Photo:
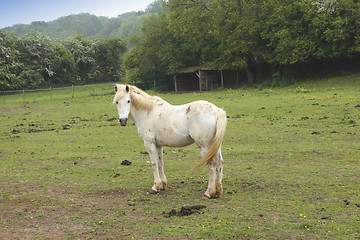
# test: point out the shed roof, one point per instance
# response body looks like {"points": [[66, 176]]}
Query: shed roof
{"points": [[197, 68]]}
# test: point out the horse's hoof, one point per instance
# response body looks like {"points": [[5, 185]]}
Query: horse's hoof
{"points": [[214, 196], [152, 191]]}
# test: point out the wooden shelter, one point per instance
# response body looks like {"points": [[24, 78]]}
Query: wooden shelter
{"points": [[205, 79]]}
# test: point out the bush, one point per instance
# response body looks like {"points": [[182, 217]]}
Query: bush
{"points": [[283, 79]]}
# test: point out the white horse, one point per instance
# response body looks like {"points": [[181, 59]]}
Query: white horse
{"points": [[162, 124]]}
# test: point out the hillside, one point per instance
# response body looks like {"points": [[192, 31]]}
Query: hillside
{"points": [[90, 25]]}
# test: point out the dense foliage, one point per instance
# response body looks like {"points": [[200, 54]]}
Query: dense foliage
{"points": [[75, 49], [245, 34], [257, 37], [33, 60]]}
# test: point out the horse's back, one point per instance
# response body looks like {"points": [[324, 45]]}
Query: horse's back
{"points": [[202, 118], [181, 125], [204, 111]]}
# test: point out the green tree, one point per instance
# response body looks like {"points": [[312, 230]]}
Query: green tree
{"points": [[157, 51], [36, 53], [245, 34], [336, 28], [237, 28], [82, 50], [190, 22], [108, 55], [131, 26], [10, 67], [96, 60], [33, 59], [63, 66], [155, 7], [285, 31]]}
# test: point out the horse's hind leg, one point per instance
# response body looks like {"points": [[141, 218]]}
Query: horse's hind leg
{"points": [[215, 167], [219, 173], [211, 190]]}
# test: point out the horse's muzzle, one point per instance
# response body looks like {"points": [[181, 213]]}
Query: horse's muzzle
{"points": [[123, 121]]}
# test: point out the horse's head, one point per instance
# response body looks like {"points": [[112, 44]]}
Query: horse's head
{"points": [[122, 100]]}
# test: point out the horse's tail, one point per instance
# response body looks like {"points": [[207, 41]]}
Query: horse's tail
{"points": [[219, 136]]}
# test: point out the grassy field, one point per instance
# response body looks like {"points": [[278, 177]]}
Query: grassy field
{"points": [[292, 167]]}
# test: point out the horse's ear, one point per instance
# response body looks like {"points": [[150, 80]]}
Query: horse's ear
{"points": [[127, 88], [115, 88]]}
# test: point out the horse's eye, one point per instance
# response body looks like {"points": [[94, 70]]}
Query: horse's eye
{"points": [[128, 101]]}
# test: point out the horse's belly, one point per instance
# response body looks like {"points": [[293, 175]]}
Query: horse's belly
{"points": [[174, 141]]}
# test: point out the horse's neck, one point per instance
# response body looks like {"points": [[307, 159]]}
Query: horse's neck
{"points": [[140, 107]]}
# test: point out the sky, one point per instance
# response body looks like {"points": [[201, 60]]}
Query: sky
{"points": [[26, 11]]}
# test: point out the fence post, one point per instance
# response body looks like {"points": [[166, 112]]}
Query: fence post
{"points": [[175, 83], [24, 96], [72, 87], [222, 79], [237, 78], [199, 80], [50, 94]]}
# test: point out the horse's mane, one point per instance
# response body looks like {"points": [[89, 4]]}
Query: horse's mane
{"points": [[139, 99]]}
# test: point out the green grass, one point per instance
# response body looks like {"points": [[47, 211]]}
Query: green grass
{"points": [[292, 167]]}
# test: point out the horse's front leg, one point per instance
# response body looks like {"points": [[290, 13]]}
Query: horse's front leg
{"points": [[161, 168], [153, 151]]}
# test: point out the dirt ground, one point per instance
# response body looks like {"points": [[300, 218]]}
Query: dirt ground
{"points": [[36, 212], [54, 213]]}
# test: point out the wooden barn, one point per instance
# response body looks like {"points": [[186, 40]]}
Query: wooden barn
{"points": [[206, 79]]}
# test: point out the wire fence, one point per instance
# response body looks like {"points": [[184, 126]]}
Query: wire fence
{"points": [[158, 85], [48, 89], [145, 84], [68, 94]]}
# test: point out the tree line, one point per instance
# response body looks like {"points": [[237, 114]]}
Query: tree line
{"points": [[249, 35], [90, 25], [75, 49], [34, 60], [283, 38]]}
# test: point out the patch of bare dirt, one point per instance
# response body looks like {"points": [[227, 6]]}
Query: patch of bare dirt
{"points": [[113, 193], [32, 211]]}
